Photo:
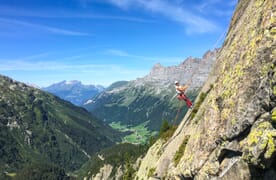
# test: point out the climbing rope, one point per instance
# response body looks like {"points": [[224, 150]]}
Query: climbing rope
{"points": [[178, 112], [221, 37]]}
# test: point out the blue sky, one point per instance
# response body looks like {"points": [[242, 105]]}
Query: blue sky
{"points": [[103, 41]]}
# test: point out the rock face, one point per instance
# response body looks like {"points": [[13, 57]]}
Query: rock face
{"points": [[232, 134], [150, 99], [113, 163], [74, 91], [104, 173]]}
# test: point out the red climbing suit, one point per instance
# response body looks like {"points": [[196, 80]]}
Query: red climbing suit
{"points": [[184, 97], [181, 96]]}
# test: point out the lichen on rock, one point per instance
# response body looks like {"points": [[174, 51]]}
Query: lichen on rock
{"points": [[273, 116], [259, 146]]}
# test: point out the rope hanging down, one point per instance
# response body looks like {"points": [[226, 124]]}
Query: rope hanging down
{"points": [[177, 114]]}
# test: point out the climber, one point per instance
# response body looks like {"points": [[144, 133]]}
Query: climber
{"points": [[180, 90]]}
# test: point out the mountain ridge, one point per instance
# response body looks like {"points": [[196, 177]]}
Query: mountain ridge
{"points": [[191, 69], [74, 91]]}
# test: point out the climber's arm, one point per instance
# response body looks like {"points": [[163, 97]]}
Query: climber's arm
{"points": [[183, 88]]}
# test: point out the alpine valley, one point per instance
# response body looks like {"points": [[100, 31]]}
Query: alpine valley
{"points": [[143, 104]]}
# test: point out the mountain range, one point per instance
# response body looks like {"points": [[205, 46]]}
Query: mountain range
{"points": [[150, 100], [74, 91]]}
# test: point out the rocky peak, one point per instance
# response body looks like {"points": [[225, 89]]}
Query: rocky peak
{"points": [[192, 70], [209, 54], [156, 67]]}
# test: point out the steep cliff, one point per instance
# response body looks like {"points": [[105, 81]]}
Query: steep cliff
{"points": [[230, 133]]}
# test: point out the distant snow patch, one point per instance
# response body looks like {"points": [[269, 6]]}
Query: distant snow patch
{"points": [[89, 101]]}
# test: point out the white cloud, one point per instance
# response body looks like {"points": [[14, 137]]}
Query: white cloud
{"points": [[44, 28], [45, 73], [15, 65], [216, 7], [55, 13], [22, 65], [117, 52], [34, 56], [193, 22], [122, 3], [122, 53]]}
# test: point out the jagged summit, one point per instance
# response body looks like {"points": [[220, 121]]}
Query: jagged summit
{"points": [[191, 70]]}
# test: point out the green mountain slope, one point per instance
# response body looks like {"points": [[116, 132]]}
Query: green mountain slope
{"points": [[133, 105], [37, 126]]}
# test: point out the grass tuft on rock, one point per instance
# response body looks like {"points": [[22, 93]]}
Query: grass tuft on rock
{"points": [[181, 150]]}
